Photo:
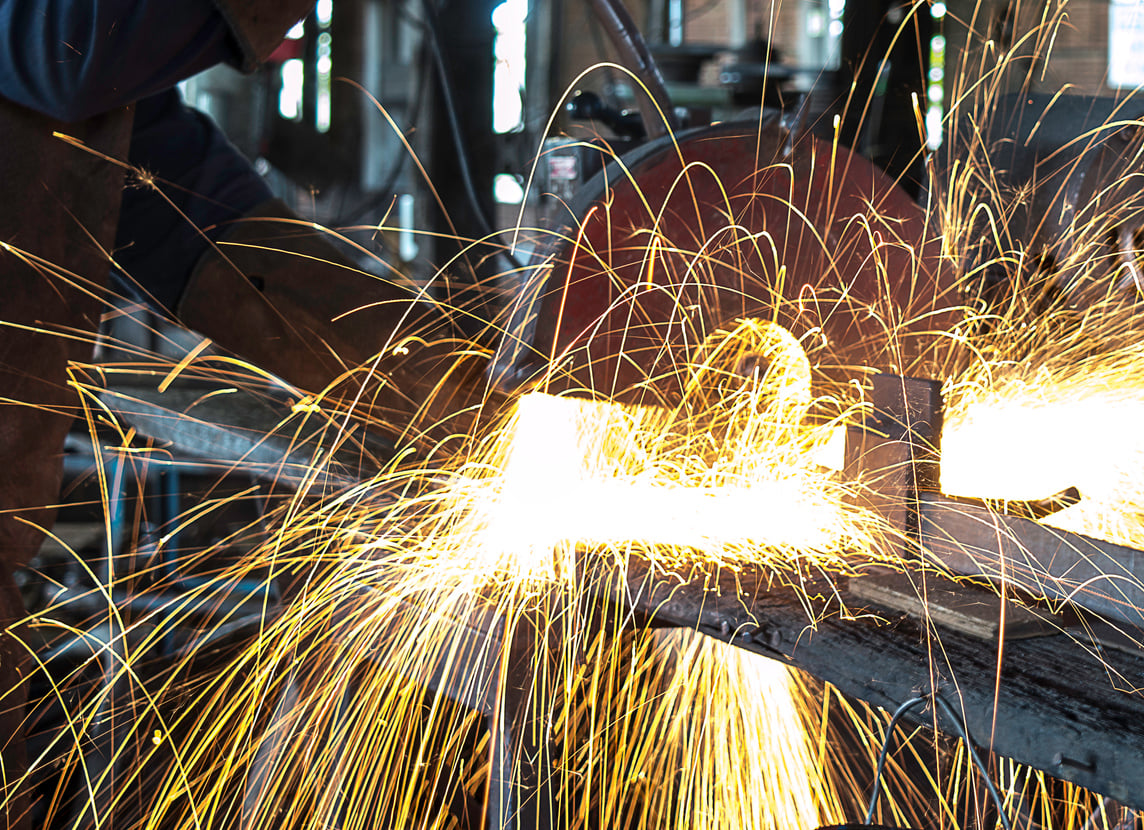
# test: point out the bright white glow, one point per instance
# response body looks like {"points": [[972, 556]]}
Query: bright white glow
{"points": [[933, 126], [322, 114], [407, 242], [937, 10], [1125, 43], [510, 15], [675, 22], [509, 72], [935, 92], [324, 11], [833, 30], [298, 31], [324, 66], [831, 453], [815, 23], [1014, 431], [1037, 419], [507, 189], [573, 475], [290, 96]]}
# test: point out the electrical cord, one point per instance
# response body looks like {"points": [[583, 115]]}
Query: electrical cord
{"points": [[962, 731], [450, 106]]}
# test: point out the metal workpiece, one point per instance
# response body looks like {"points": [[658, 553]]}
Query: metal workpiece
{"points": [[236, 429], [749, 605], [910, 410], [1033, 701], [1056, 702], [893, 455], [1017, 552]]}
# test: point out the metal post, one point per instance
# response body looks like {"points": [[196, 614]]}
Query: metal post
{"points": [[895, 454]]}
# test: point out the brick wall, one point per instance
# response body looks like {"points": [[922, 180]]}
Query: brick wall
{"points": [[707, 21]]}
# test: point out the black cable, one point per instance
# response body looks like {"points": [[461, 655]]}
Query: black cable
{"points": [[450, 106], [962, 730], [611, 83], [901, 712]]}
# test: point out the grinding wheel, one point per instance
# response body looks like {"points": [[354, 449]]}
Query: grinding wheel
{"points": [[688, 233]]}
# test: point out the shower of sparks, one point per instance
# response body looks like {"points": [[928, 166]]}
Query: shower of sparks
{"points": [[346, 707], [492, 547], [727, 479], [440, 615], [1026, 428]]}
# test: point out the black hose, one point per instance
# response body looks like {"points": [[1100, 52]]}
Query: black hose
{"points": [[634, 53], [455, 131], [962, 730]]}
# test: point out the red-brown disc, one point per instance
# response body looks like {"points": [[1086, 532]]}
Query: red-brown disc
{"points": [[730, 221]]}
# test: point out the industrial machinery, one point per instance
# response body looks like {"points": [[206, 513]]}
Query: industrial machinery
{"points": [[673, 241], [696, 228], [1049, 690], [693, 230], [762, 218]]}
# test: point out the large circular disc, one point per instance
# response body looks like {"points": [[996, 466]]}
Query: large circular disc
{"points": [[685, 235]]}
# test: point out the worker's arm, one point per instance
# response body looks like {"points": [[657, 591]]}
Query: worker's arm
{"points": [[71, 59], [201, 185]]}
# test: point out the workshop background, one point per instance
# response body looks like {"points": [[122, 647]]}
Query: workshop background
{"points": [[312, 117], [457, 144]]}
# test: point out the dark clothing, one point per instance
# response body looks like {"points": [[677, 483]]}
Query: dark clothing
{"points": [[72, 59], [74, 68], [198, 170], [46, 277]]}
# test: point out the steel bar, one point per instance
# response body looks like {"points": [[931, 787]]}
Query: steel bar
{"points": [[1060, 703], [895, 456], [1105, 578], [237, 429]]}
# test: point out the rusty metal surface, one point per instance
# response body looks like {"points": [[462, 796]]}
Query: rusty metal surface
{"points": [[1103, 577], [1059, 703], [895, 452], [896, 456]]}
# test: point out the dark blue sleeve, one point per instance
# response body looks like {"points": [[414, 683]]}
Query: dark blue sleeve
{"points": [[71, 59], [205, 183]]}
